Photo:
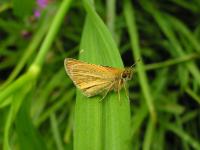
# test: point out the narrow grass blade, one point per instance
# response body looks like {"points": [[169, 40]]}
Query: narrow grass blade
{"points": [[18, 98], [132, 29], [149, 135], [193, 95], [28, 52], [183, 135], [55, 132], [56, 23], [166, 28], [28, 136]]}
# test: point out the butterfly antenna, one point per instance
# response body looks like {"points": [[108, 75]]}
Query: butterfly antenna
{"points": [[136, 63]]}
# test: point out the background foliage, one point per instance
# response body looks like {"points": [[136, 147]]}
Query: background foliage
{"points": [[38, 101]]}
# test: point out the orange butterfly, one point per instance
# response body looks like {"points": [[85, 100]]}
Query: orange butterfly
{"points": [[94, 79]]}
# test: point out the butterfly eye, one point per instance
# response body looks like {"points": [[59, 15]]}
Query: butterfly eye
{"points": [[124, 75]]}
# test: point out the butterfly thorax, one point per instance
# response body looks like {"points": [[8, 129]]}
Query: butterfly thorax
{"points": [[124, 75], [127, 74]]}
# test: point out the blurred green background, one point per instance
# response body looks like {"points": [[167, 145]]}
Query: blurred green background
{"points": [[40, 107]]}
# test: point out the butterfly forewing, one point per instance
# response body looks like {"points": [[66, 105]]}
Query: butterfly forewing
{"points": [[91, 79]]}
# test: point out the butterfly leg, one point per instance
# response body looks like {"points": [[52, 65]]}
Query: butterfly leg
{"points": [[118, 95], [109, 88], [118, 90], [126, 90]]}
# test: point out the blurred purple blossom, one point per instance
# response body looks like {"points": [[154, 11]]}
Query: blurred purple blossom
{"points": [[37, 13], [41, 5]]}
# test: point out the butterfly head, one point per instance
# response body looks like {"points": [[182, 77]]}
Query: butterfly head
{"points": [[127, 74]]}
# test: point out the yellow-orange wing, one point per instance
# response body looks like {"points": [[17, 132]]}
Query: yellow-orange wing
{"points": [[89, 78]]}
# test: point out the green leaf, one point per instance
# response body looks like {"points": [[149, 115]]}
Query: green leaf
{"points": [[106, 124]]}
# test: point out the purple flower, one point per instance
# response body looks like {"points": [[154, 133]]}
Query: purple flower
{"points": [[37, 13], [42, 3]]}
